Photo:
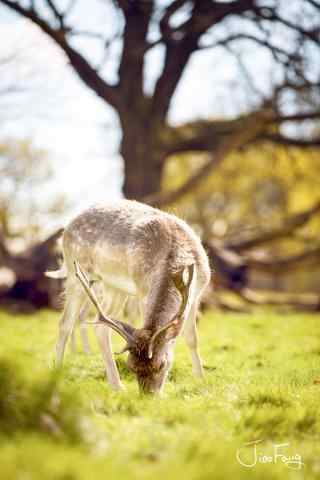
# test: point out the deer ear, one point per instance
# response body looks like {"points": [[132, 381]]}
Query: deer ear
{"points": [[178, 280], [183, 286], [183, 278]]}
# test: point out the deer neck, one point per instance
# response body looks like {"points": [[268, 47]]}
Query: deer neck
{"points": [[163, 300]]}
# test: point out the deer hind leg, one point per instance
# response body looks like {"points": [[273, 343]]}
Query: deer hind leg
{"points": [[84, 327], [134, 310], [83, 331], [118, 303], [103, 334], [74, 300], [73, 340], [191, 337]]}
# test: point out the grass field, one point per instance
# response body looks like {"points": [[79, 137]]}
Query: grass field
{"points": [[262, 384]]}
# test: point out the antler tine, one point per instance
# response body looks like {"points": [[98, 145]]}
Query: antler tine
{"points": [[184, 291], [84, 280]]}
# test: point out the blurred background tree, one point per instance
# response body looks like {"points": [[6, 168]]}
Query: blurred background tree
{"points": [[30, 204], [177, 30], [25, 172], [259, 215], [247, 179], [24, 209]]}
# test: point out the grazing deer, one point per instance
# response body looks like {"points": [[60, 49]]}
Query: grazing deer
{"points": [[127, 248]]}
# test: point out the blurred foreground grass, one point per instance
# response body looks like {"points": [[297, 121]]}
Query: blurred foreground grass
{"points": [[262, 383]]}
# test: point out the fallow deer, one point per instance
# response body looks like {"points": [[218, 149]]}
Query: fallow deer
{"points": [[126, 248]]}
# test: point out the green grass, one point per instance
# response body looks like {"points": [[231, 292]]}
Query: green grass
{"points": [[262, 383]]}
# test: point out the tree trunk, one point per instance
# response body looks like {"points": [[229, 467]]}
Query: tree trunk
{"points": [[31, 289], [143, 159]]}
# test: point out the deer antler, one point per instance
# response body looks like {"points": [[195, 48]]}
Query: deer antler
{"points": [[184, 291], [123, 329]]}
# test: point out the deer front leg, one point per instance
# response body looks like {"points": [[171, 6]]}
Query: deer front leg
{"points": [[191, 337], [104, 339]]}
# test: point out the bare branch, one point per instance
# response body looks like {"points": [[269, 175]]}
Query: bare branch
{"points": [[284, 264], [184, 41], [251, 127], [246, 74], [271, 15], [169, 12], [85, 33], [59, 16], [287, 228], [314, 4], [285, 140], [207, 135], [292, 56], [79, 63], [296, 117]]}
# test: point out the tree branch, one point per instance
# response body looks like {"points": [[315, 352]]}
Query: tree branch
{"points": [[289, 226], [59, 16], [296, 117], [290, 141], [263, 42], [181, 42], [314, 4], [207, 135], [284, 264], [270, 14], [78, 62], [252, 126], [221, 137], [168, 13]]}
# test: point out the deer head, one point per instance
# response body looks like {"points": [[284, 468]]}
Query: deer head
{"points": [[150, 350]]}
